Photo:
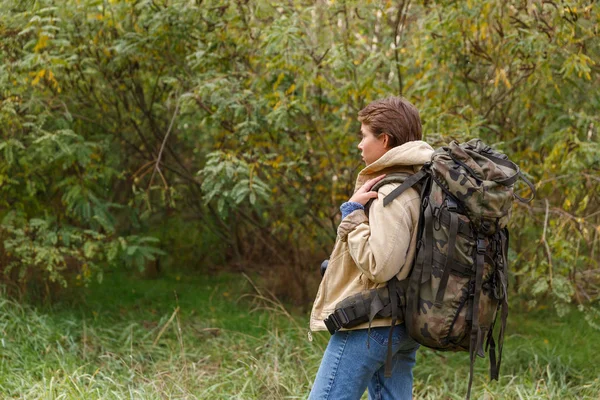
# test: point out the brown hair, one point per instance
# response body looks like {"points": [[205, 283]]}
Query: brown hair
{"points": [[395, 117]]}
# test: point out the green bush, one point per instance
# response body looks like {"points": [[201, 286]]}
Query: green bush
{"points": [[241, 116]]}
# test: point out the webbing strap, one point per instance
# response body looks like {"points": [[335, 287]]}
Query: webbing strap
{"points": [[475, 329], [376, 306], [412, 298], [394, 302], [414, 282], [394, 177], [504, 238], [359, 308], [463, 228], [439, 260], [511, 180], [408, 183], [531, 187], [492, 353], [427, 248], [505, 163], [439, 298]]}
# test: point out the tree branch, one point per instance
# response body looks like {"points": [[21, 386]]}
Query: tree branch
{"points": [[548, 252], [162, 147]]}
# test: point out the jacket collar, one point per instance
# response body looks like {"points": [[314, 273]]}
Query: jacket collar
{"points": [[408, 157]]}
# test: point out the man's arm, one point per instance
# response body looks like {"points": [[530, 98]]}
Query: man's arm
{"points": [[379, 244]]}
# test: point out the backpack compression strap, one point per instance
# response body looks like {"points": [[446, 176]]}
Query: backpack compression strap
{"points": [[503, 306], [513, 179], [476, 339]]}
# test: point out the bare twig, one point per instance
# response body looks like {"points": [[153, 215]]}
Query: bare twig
{"points": [[548, 252], [400, 21], [143, 167], [560, 211], [162, 147], [555, 178], [165, 326]]}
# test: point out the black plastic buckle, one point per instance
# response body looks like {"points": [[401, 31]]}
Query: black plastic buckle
{"points": [[481, 246], [336, 320], [451, 204], [419, 244], [332, 324]]}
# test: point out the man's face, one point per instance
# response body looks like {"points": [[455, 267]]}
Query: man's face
{"points": [[372, 148]]}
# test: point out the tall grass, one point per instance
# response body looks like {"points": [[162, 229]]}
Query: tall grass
{"points": [[225, 339]]}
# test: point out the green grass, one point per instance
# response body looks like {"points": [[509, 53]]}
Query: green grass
{"points": [[218, 338]]}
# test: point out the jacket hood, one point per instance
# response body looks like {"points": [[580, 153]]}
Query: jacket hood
{"points": [[408, 157]]}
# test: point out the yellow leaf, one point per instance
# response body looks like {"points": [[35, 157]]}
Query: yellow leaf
{"points": [[291, 89], [38, 76], [279, 79], [42, 43], [505, 79]]}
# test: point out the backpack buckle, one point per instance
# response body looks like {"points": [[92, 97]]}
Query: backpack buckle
{"points": [[336, 320], [332, 324], [451, 204], [481, 246]]}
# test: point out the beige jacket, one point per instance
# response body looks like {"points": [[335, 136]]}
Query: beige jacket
{"points": [[370, 250]]}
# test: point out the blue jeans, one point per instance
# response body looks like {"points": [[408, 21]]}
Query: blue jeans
{"points": [[349, 367]]}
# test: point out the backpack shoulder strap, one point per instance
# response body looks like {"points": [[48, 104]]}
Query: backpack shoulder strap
{"points": [[406, 181], [409, 182], [394, 177]]}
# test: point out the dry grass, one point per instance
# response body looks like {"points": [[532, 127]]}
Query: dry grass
{"points": [[182, 352]]}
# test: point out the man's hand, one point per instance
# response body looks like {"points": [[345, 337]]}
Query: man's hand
{"points": [[364, 194]]}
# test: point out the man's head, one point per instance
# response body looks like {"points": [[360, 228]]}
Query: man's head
{"points": [[394, 117]]}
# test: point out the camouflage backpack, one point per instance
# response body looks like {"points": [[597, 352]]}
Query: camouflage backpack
{"points": [[458, 282], [459, 278]]}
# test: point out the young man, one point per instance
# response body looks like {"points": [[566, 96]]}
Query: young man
{"points": [[370, 250]]}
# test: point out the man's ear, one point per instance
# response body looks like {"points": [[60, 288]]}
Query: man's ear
{"points": [[386, 140]]}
